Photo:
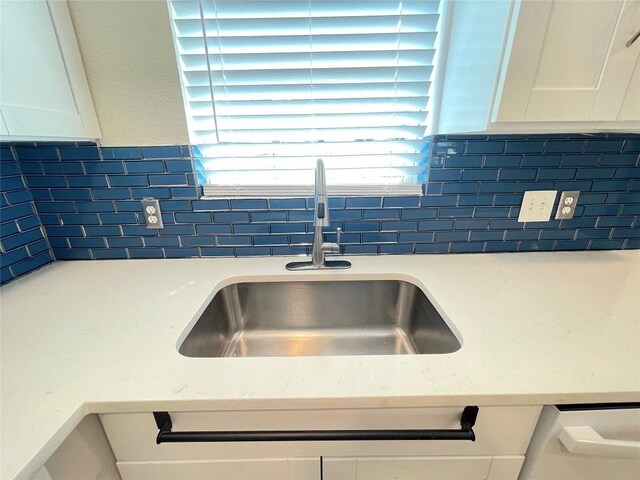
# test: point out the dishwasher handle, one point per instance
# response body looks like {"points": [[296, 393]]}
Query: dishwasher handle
{"points": [[586, 441]]}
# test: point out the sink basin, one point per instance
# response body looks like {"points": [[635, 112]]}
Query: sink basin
{"points": [[373, 317]]}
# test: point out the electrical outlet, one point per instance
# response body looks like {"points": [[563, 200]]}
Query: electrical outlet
{"points": [[567, 205], [537, 206], [152, 213]]}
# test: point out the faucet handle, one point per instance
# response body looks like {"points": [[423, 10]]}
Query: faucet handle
{"points": [[331, 247]]}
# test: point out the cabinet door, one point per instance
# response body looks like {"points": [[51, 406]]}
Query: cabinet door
{"points": [[569, 61], [631, 105], [422, 468], [3, 126], [44, 90], [246, 469]]}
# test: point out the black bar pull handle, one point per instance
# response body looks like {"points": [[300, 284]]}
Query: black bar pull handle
{"points": [[465, 432]]}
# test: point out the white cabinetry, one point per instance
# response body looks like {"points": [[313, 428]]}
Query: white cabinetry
{"points": [[241, 469], [567, 61], [422, 468], [533, 66], [502, 437], [43, 90]]}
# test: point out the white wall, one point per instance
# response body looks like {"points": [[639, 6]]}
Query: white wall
{"points": [[478, 30], [130, 61]]}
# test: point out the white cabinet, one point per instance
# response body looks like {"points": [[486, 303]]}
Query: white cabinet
{"points": [[498, 430], [43, 91], [422, 468], [567, 61], [243, 469], [502, 437], [630, 109]]}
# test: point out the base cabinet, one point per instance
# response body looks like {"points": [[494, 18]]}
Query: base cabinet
{"points": [[422, 468], [502, 436], [500, 431], [241, 469], [334, 468]]}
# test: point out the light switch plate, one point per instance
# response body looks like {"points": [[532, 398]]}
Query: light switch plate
{"points": [[152, 213], [537, 206], [567, 205]]}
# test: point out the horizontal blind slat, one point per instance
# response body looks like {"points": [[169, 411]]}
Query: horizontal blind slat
{"points": [[293, 177], [357, 134], [287, 91], [321, 60], [318, 121], [336, 162], [298, 9], [311, 106], [308, 77], [322, 76], [310, 149], [321, 43], [303, 26]]}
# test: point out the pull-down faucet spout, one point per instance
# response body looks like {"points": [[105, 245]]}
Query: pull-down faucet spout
{"points": [[320, 220]]}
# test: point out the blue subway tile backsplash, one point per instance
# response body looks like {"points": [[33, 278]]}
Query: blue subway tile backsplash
{"points": [[80, 201], [23, 244]]}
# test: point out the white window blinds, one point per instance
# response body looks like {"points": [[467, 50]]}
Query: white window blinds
{"points": [[272, 85]]}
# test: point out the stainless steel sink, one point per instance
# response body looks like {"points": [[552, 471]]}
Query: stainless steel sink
{"points": [[386, 317]]}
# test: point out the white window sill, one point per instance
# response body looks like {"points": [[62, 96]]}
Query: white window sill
{"points": [[270, 191]]}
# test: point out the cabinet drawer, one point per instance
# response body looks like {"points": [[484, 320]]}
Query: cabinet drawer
{"points": [[422, 468], [499, 431], [245, 469]]}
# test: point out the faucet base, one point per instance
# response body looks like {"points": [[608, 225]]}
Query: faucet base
{"points": [[328, 265]]}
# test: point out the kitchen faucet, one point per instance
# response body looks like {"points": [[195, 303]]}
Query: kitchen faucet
{"points": [[320, 220]]}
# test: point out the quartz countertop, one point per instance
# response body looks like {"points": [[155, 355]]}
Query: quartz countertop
{"points": [[88, 337]]}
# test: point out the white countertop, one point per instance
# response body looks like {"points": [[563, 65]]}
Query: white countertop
{"points": [[100, 336]]}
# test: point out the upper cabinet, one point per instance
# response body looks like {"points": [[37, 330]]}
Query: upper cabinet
{"points": [[542, 66], [569, 61], [44, 93]]}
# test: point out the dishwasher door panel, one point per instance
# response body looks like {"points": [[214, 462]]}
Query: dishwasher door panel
{"points": [[610, 443]]}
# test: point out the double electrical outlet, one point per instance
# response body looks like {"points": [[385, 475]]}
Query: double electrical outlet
{"points": [[567, 205], [152, 213], [538, 205]]}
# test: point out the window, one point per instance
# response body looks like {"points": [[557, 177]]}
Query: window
{"points": [[272, 85]]}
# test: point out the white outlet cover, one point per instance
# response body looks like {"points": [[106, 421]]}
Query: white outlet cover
{"points": [[537, 206]]}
